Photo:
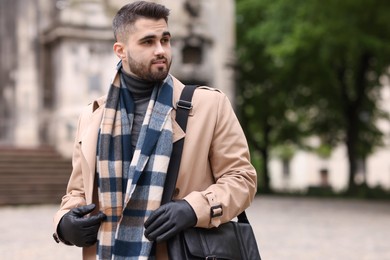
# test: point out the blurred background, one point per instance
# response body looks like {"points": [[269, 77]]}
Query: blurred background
{"points": [[309, 81], [56, 57]]}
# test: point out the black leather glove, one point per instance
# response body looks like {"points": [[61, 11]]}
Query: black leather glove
{"points": [[169, 219], [78, 230]]}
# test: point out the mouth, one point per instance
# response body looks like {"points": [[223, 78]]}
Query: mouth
{"points": [[159, 62]]}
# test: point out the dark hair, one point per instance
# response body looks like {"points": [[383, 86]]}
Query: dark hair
{"points": [[130, 13]]}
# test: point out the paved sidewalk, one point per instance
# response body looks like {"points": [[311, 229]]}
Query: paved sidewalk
{"points": [[307, 228], [286, 228]]}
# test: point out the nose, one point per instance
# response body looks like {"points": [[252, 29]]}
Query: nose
{"points": [[159, 49]]}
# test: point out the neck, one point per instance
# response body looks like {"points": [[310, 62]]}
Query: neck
{"points": [[139, 88]]}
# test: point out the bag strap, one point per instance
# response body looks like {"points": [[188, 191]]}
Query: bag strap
{"points": [[184, 105], [242, 218]]}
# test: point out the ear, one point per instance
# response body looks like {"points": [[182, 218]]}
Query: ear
{"points": [[119, 50]]}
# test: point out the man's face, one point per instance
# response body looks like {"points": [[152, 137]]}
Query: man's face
{"points": [[148, 50]]}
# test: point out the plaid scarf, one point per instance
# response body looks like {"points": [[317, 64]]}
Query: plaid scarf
{"points": [[130, 183]]}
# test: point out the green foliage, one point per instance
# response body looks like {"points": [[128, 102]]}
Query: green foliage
{"points": [[312, 68], [285, 152], [324, 150], [365, 192]]}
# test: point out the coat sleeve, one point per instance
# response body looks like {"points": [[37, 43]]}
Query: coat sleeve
{"points": [[75, 193], [235, 177]]}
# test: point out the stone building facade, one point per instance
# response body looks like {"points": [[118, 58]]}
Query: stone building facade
{"points": [[56, 56]]}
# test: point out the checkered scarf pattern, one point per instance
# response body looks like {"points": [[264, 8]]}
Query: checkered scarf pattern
{"points": [[130, 183]]}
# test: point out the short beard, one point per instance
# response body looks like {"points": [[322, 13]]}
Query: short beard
{"points": [[144, 72]]}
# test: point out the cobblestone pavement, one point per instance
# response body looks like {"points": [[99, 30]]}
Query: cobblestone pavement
{"points": [[285, 227]]}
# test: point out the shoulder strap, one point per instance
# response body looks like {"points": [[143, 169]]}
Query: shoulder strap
{"points": [[183, 109]]}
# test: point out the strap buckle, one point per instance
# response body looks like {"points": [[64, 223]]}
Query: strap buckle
{"points": [[216, 211], [184, 104]]}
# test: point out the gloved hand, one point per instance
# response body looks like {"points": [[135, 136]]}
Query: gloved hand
{"points": [[78, 230], [169, 219]]}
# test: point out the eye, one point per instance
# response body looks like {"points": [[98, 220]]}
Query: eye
{"points": [[165, 40], [147, 42]]}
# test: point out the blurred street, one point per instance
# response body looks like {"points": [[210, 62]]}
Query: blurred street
{"points": [[285, 227]]}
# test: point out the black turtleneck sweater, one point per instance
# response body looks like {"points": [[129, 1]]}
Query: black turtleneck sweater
{"points": [[141, 92]]}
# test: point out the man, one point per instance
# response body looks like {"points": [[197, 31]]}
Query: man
{"points": [[123, 147]]}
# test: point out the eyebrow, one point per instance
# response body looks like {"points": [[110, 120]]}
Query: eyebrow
{"points": [[153, 36]]}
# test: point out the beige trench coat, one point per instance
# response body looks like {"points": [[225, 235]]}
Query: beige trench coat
{"points": [[215, 167]]}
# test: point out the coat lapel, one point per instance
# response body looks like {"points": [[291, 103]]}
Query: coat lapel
{"points": [[90, 137], [88, 144], [178, 133]]}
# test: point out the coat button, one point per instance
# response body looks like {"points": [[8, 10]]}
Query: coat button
{"points": [[176, 192]]}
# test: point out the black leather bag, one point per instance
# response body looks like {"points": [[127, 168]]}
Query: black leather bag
{"points": [[230, 241]]}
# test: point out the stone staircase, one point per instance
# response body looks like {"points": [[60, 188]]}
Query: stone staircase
{"points": [[32, 176]]}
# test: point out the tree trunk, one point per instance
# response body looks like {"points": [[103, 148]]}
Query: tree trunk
{"points": [[352, 158], [265, 156], [266, 179], [352, 109], [263, 149]]}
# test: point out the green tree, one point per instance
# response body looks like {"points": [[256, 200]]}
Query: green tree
{"points": [[329, 55], [267, 100]]}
